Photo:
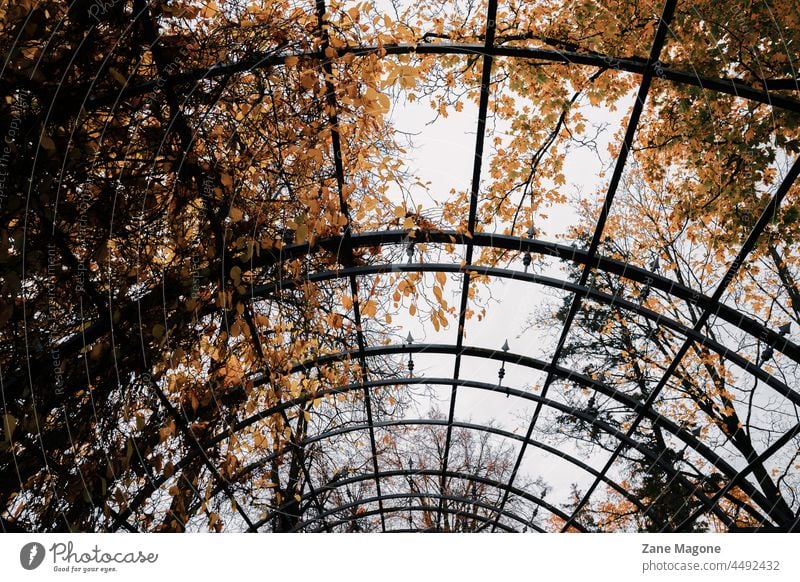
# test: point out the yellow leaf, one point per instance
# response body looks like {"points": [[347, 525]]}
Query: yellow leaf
{"points": [[370, 308], [235, 214], [315, 154], [308, 79], [209, 10], [347, 301], [441, 278], [301, 233], [383, 101], [291, 61]]}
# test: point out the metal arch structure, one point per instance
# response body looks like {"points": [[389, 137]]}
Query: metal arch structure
{"points": [[721, 465], [765, 94], [440, 422], [564, 374], [589, 260]]}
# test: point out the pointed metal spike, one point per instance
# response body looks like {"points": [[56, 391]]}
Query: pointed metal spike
{"points": [[785, 329], [410, 252], [505, 347], [410, 338], [654, 265], [532, 232]]}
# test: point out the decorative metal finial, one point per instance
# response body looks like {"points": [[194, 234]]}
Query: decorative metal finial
{"points": [[502, 371], [410, 252], [409, 341], [526, 261], [591, 407], [526, 258], [644, 293], [785, 329]]}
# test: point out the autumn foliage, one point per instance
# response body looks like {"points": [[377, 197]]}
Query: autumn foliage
{"points": [[188, 284]]}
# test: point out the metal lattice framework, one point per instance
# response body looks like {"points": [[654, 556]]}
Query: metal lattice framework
{"points": [[314, 511]]}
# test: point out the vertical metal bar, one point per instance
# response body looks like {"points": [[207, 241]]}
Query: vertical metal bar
{"points": [[346, 251], [483, 107], [766, 216], [627, 143]]}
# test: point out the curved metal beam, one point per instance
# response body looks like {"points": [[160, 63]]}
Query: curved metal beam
{"points": [[605, 427], [422, 496], [512, 358], [426, 473], [512, 243], [668, 71], [418, 508], [624, 439], [565, 374], [767, 215], [588, 292], [435, 422], [522, 245], [656, 459]]}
